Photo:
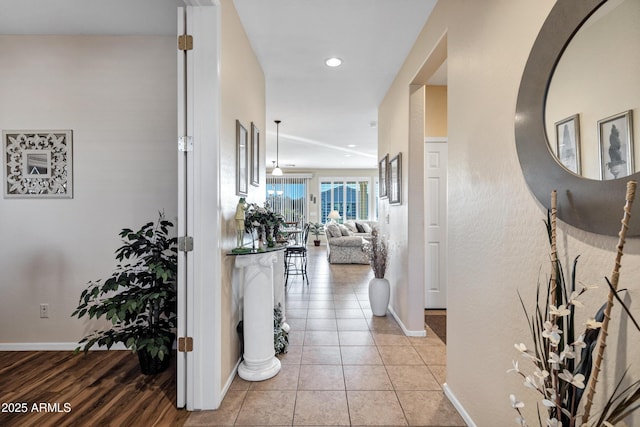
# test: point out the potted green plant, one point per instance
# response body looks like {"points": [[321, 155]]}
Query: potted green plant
{"points": [[139, 298], [316, 229]]}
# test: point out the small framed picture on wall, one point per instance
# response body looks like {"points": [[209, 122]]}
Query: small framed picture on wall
{"points": [[395, 180], [568, 143], [383, 169], [255, 155], [242, 160], [615, 137]]}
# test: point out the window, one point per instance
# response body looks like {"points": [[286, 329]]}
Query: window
{"points": [[287, 195], [351, 197]]}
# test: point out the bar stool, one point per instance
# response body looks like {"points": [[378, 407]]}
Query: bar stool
{"points": [[295, 258]]}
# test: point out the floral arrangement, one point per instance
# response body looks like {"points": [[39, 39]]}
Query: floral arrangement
{"points": [[565, 366], [378, 254], [264, 220]]}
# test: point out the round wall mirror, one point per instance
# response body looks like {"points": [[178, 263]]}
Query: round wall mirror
{"points": [[590, 203], [593, 94]]}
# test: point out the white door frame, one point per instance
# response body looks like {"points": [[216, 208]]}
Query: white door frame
{"points": [[199, 287], [185, 216]]}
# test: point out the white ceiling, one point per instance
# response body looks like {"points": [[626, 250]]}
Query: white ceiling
{"points": [[132, 17], [323, 110]]}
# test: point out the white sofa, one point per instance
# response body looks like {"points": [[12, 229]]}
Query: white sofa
{"points": [[345, 242]]}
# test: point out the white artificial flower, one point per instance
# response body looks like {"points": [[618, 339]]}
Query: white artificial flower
{"points": [[585, 288], [579, 343], [554, 423], [567, 353], [552, 332], [592, 324], [573, 299], [554, 359], [551, 394], [575, 294], [515, 403], [521, 347], [576, 302], [559, 311], [577, 380], [530, 382], [541, 374]]}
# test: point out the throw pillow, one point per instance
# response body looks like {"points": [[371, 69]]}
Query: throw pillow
{"points": [[333, 230], [366, 228], [359, 227], [351, 226], [343, 229]]}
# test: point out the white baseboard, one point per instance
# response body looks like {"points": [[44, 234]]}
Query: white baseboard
{"points": [[456, 404], [225, 389], [407, 332], [51, 346]]}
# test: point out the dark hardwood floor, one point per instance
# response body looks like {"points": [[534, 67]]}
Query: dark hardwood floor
{"points": [[103, 388]]}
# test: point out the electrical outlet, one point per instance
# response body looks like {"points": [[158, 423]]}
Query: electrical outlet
{"points": [[44, 310]]}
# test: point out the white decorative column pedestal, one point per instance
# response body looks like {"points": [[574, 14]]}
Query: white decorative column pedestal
{"points": [[259, 361], [278, 287]]}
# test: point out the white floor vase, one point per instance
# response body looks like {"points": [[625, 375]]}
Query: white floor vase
{"points": [[379, 290]]}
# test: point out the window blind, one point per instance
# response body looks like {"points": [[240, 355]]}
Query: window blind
{"points": [[287, 195]]}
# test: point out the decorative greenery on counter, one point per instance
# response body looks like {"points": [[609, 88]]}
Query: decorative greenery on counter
{"points": [[563, 364], [265, 221], [139, 299]]}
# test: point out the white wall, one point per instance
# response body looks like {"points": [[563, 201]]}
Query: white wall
{"points": [[497, 242], [121, 106], [243, 98]]}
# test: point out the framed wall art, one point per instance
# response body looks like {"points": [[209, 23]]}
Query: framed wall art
{"points": [[615, 137], [255, 155], [242, 160], [37, 163], [383, 169], [568, 143], [395, 180]]}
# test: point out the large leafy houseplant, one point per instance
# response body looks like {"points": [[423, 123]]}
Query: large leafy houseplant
{"points": [[139, 299]]}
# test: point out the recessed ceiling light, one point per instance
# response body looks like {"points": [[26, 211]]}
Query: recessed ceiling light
{"points": [[333, 62]]}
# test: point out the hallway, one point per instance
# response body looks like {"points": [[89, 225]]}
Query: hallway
{"points": [[344, 366]]}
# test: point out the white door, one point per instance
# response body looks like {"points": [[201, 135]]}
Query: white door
{"points": [[436, 223], [185, 208], [199, 263]]}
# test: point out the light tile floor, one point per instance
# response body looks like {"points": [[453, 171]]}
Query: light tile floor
{"points": [[344, 365]]}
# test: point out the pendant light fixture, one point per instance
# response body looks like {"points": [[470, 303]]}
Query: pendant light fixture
{"points": [[277, 171]]}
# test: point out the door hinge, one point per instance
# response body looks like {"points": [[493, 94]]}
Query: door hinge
{"points": [[185, 344], [185, 42], [185, 143], [185, 244]]}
